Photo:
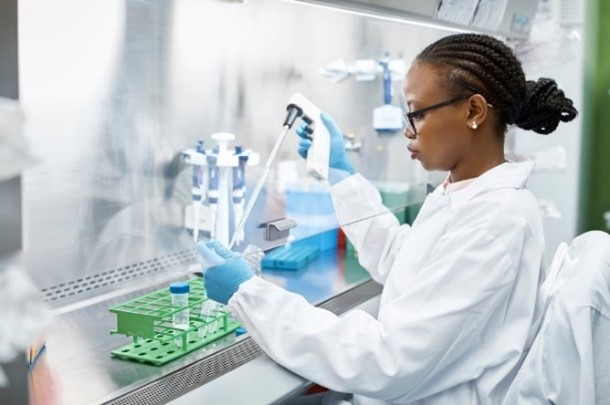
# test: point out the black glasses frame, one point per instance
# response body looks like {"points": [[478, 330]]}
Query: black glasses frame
{"points": [[408, 116]]}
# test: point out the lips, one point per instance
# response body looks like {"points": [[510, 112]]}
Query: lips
{"points": [[414, 152]]}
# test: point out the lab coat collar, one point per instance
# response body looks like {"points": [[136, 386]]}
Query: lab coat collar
{"points": [[506, 175]]}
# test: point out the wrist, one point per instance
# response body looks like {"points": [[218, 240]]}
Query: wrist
{"points": [[337, 175], [237, 285], [346, 167], [342, 164], [242, 279]]}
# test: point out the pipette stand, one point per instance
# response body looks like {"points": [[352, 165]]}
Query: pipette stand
{"points": [[220, 227]]}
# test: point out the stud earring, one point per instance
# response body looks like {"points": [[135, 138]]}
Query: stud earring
{"points": [[474, 125]]}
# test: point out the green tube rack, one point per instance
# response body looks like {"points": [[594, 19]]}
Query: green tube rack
{"points": [[148, 319]]}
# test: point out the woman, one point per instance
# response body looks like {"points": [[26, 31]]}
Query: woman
{"points": [[460, 283]]}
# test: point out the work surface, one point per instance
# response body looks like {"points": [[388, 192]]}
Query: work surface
{"points": [[76, 366]]}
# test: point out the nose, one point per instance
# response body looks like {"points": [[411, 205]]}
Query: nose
{"points": [[408, 134]]}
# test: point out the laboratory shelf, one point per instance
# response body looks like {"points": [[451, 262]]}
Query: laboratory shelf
{"points": [[148, 319]]}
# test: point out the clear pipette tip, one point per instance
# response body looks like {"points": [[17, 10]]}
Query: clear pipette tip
{"points": [[258, 187]]}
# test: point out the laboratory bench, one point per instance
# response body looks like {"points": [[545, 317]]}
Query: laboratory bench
{"points": [[76, 366]]}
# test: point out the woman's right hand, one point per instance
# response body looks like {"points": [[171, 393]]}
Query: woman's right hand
{"points": [[338, 156]]}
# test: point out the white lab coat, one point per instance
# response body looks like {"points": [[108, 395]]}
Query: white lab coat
{"points": [[569, 362], [460, 290]]}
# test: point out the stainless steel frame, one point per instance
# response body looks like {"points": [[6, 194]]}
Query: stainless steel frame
{"points": [[10, 193], [10, 190]]}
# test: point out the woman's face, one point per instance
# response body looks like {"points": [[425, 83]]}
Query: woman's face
{"points": [[443, 137]]}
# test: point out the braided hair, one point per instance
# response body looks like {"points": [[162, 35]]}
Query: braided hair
{"points": [[480, 64]]}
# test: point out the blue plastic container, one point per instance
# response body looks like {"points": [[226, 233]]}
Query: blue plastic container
{"points": [[312, 209]]}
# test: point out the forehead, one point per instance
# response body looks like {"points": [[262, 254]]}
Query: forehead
{"points": [[423, 83]]}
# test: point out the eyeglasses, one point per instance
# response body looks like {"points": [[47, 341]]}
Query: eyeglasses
{"points": [[408, 116]]}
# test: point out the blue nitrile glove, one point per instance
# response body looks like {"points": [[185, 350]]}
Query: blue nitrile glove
{"points": [[338, 156], [228, 270]]}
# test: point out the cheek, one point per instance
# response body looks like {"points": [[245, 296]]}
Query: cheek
{"points": [[440, 150]]}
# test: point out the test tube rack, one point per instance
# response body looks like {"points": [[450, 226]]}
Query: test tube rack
{"points": [[148, 320]]}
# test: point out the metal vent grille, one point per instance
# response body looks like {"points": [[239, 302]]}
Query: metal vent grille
{"points": [[569, 12], [192, 376], [125, 273]]}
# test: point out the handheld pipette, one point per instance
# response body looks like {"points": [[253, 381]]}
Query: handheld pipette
{"points": [[317, 155]]}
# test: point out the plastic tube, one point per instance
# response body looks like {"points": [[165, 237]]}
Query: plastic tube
{"points": [[180, 299], [209, 315]]}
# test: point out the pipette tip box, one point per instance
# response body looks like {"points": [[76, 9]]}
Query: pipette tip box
{"points": [[291, 257]]}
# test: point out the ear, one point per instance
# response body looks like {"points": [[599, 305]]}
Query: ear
{"points": [[477, 111]]}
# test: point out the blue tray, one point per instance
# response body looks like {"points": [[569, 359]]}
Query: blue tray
{"points": [[290, 257]]}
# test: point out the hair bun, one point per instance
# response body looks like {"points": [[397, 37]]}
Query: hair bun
{"points": [[545, 106]]}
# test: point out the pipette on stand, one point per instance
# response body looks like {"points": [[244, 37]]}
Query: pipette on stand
{"points": [[212, 192], [196, 201], [198, 192], [239, 191]]}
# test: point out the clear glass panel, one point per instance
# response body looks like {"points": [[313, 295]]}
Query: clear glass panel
{"points": [[116, 92]]}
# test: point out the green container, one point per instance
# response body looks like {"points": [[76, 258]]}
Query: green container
{"points": [[395, 196], [148, 319]]}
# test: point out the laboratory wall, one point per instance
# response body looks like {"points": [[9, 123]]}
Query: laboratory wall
{"points": [[556, 180], [114, 91]]}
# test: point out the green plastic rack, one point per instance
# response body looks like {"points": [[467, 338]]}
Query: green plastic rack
{"points": [[148, 319]]}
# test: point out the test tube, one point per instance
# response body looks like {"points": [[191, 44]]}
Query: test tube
{"points": [[209, 313], [180, 299]]}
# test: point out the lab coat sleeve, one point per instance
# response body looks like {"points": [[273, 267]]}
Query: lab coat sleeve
{"points": [[369, 225], [430, 338]]}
